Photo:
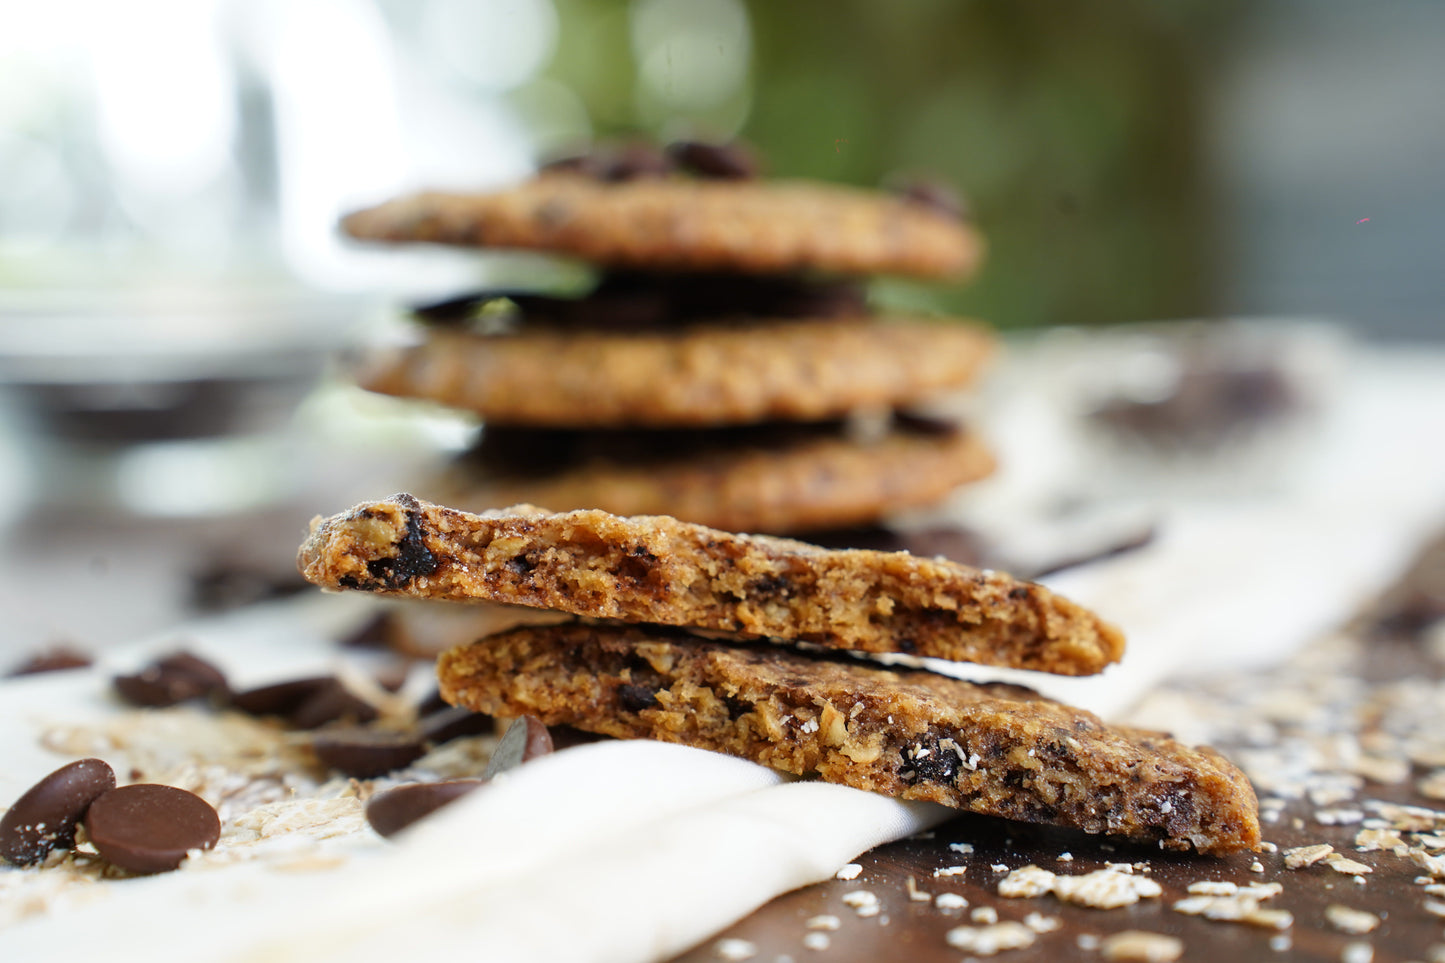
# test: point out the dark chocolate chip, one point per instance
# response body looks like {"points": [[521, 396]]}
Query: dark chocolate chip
{"points": [[392, 811], [281, 698], [722, 161], [635, 161], [331, 702], [58, 659], [44, 818], [453, 722], [167, 681], [635, 698], [938, 196], [412, 557], [146, 828], [367, 753], [226, 584], [525, 739]]}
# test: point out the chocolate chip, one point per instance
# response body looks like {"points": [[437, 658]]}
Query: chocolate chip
{"points": [[167, 681], [331, 702], [58, 659], [378, 632], [635, 698], [281, 698], [392, 811], [412, 557], [731, 161], [367, 753], [146, 828], [453, 722], [635, 161], [45, 816], [936, 195], [525, 739]]}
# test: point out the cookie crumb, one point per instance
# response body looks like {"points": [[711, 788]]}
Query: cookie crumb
{"points": [[1348, 920], [984, 914], [864, 902], [734, 949], [849, 871], [1040, 923], [949, 871], [988, 940], [1138, 946], [949, 901], [817, 941], [915, 894], [963, 849], [824, 921], [1101, 889], [1301, 856]]}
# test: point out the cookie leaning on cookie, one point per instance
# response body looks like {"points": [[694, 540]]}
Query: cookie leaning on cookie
{"points": [[659, 570], [999, 750]]}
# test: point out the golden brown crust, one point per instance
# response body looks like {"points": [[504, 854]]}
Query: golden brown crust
{"points": [[704, 375], [659, 570], [993, 749], [814, 483], [696, 225]]}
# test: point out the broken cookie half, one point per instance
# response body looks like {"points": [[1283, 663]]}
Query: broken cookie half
{"points": [[656, 569], [998, 750]]}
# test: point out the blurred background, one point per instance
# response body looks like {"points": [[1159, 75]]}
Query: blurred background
{"points": [[1127, 160], [172, 284]]}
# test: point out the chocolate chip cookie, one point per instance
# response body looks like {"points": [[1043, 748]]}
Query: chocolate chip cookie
{"points": [[776, 478], [994, 749], [798, 370], [682, 224], [657, 569]]}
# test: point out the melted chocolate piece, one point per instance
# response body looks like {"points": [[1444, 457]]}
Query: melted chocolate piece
{"points": [[392, 811], [45, 817], [281, 698], [58, 659], [454, 722], [731, 161], [938, 196], [147, 828]]}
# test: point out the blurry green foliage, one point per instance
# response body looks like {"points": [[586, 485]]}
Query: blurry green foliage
{"points": [[1073, 129]]}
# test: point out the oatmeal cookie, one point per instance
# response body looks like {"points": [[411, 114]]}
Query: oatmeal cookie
{"points": [[995, 749], [660, 570], [781, 479], [698, 376], [681, 224]]}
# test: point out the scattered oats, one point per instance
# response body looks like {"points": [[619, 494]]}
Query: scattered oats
{"points": [[984, 914], [1240, 907], [864, 902], [999, 868], [849, 871], [1432, 786], [1087, 941], [1137, 946], [1280, 942], [1382, 769], [1343, 864], [1423, 880], [1297, 823], [1357, 953], [1302, 856], [1269, 847], [1065, 857], [1026, 881], [1040, 923], [1210, 887], [949, 871], [988, 940], [1352, 921], [1434, 865], [1120, 867], [1256, 867], [949, 901], [963, 849], [1430, 841], [1434, 908], [1101, 889], [826, 921], [733, 949], [1434, 889], [1369, 840], [916, 894], [816, 941], [1407, 819], [1338, 817]]}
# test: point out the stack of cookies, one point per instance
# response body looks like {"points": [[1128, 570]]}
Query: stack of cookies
{"points": [[725, 368], [764, 647]]}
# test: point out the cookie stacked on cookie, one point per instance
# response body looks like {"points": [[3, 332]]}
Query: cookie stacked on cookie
{"points": [[725, 368], [755, 646]]}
